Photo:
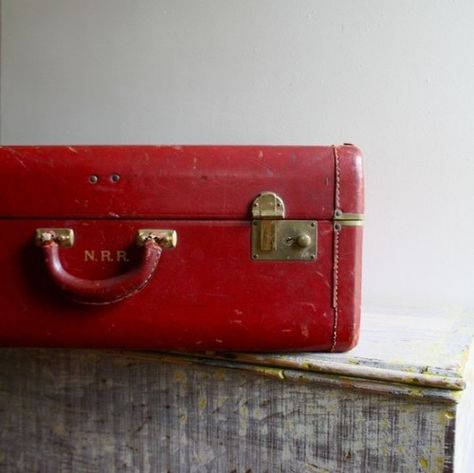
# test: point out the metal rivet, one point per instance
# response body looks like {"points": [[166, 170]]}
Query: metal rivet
{"points": [[255, 256], [303, 240], [115, 177], [93, 179], [337, 226], [338, 213], [313, 224], [255, 223], [313, 256]]}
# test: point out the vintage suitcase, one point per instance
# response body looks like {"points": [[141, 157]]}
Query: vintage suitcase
{"points": [[249, 248]]}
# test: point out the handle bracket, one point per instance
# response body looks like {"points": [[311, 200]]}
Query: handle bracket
{"points": [[104, 291], [165, 238], [61, 236]]}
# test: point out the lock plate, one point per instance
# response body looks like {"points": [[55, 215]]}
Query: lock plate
{"points": [[284, 240]]}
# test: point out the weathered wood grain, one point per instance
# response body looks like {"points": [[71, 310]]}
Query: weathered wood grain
{"points": [[400, 403], [464, 445], [98, 412]]}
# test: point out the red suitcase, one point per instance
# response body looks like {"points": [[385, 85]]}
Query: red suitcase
{"points": [[252, 248]]}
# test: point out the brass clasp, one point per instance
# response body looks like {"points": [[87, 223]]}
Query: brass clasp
{"points": [[274, 238]]}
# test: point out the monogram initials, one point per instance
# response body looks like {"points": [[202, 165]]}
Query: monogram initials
{"points": [[105, 256]]}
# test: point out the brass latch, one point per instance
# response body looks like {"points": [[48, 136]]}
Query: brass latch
{"points": [[274, 238]]}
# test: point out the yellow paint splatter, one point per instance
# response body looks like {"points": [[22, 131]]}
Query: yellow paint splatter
{"points": [[449, 415], [424, 463], [180, 375], [353, 361], [416, 392], [220, 375], [439, 463], [183, 418], [202, 403], [272, 372], [221, 400]]}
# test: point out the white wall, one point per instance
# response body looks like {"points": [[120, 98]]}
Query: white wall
{"points": [[395, 77]]}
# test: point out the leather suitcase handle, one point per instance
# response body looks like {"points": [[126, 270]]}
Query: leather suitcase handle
{"points": [[103, 291]]}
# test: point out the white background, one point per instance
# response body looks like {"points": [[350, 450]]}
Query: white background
{"points": [[394, 77]]}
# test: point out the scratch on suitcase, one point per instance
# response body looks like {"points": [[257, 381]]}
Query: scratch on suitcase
{"points": [[323, 278], [264, 166], [21, 161], [309, 305], [15, 153]]}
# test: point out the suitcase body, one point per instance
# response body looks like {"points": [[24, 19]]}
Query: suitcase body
{"points": [[223, 248]]}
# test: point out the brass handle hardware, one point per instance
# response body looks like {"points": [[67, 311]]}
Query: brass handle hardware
{"points": [[103, 291], [62, 236], [165, 238], [65, 236]]}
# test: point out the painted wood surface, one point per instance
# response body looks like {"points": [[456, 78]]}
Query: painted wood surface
{"points": [[464, 438], [419, 347], [106, 411], [96, 412]]}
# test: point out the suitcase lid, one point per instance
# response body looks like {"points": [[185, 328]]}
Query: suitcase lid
{"points": [[195, 182]]}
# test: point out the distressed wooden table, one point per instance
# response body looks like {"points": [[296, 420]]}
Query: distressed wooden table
{"points": [[402, 401]]}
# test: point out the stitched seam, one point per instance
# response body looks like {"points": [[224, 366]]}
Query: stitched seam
{"points": [[335, 268], [335, 289], [338, 179]]}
